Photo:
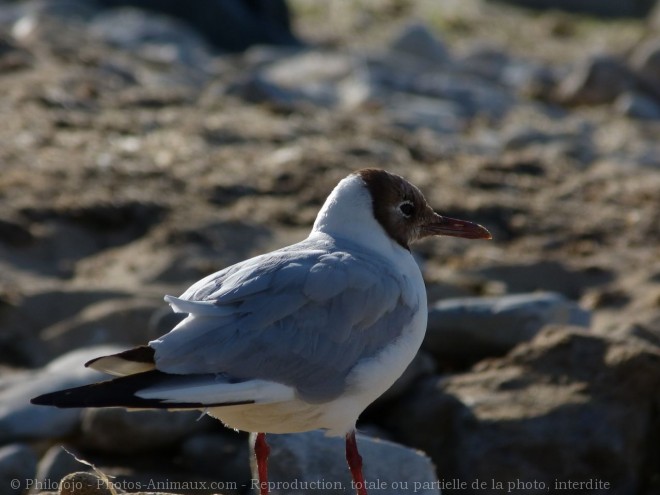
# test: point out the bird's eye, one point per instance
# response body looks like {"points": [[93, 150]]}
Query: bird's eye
{"points": [[407, 208]]}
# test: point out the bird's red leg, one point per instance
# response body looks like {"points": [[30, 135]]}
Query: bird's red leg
{"points": [[355, 463], [261, 451]]}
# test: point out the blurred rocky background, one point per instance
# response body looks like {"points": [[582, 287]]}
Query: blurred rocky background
{"points": [[142, 148]]}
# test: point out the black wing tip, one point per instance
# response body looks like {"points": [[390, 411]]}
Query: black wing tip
{"points": [[60, 398], [42, 400], [120, 392]]}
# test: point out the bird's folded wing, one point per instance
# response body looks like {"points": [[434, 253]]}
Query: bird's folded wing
{"points": [[157, 390], [300, 320]]}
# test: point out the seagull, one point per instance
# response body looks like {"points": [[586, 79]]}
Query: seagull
{"points": [[298, 339]]}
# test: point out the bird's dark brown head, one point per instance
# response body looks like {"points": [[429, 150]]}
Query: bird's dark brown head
{"points": [[403, 212]]}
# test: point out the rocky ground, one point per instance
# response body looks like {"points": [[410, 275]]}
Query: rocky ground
{"points": [[134, 160]]}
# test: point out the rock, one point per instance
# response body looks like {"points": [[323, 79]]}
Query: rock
{"points": [[55, 464], [256, 89], [203, 248], [638, 106], [12, 232], [115, 321], [486, 62], [471, 95], [646, 62], [539, 413], [645, 328], [46, 307], [18, 463], [596, 81], [12, 58], [82, 483], [654, 18], [116, 430], [495, 65], [310, 77], [471, 328], [19, 343], [602, 8], [21, 420], [79, 10], [230, 25], [312, 459], [418, 112], [22, 319], [418, 40], [155, 38], [131, 219], [57, 26], [224, 456], [550, 276]]}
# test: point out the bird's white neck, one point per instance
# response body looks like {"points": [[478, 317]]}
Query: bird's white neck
{"points": [[348, 214]]}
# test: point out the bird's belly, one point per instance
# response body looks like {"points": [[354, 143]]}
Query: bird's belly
{"points": [[280, 417]]}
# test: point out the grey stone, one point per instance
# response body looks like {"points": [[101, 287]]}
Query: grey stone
{"points": [[595, 81], [522, 137], [485, 62], [156, 38], [471, 95], [552, 276], [476, 327], [638, 106], [21, 420], [262, 56], [654, 18], [84, 483], [14, 58], [299, 458], [604, 8], [230, 25], [173, 54], [12, 231], [120, 431], [416, 112], [115, 321], [309, 76], [18, 463], [80, 10], [418, 40], [57, 25], [38, 310], [224, 456], [257, 89], [19, 341], [360, 89], [646, 62], [540, 413]]}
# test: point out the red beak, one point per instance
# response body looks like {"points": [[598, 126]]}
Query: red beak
{"points": [[456, 228]]}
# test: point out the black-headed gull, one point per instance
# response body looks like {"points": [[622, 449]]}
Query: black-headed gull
{"points": [[302, 338]]}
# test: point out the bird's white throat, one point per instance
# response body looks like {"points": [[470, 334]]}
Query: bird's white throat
{"points": [[348, 214]]}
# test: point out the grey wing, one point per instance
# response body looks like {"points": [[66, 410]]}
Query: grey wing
{"points": [[302, 321]]}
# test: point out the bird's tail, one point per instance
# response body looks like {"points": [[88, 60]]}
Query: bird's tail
{"points": [[148, 390]]}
